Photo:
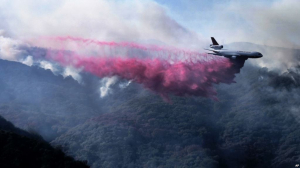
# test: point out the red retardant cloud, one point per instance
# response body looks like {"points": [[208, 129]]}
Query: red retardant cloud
{"points": [[180, 78], [162, 70]]}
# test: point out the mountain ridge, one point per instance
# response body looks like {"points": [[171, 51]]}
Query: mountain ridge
{"points": [[254, 124], [20, 149]]}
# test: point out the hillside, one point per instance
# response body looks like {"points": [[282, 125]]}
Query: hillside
{"points": [[20, 149], [255, 123], [35, 98], [192, 132]]}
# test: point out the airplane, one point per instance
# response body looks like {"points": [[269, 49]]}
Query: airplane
{"points": [[232, 55]]}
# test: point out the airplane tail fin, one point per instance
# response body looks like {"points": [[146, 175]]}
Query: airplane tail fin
{"points": [[214, 41]]}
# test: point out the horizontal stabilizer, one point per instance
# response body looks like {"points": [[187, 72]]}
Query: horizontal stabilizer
{"points": [[211, 50]]}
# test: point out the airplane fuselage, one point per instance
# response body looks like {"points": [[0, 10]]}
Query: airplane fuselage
{"points": [[218, 50], [237, 54]]}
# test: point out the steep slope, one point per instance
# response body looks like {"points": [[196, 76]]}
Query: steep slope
{"points": [[146, 132], [252, 125], [20, 149], [255, 123], [35, 98]]}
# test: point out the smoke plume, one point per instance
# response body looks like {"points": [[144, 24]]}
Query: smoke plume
{"points": [[9, 48], [106, 83]]}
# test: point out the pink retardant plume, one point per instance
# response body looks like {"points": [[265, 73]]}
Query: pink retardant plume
{"points": [[188, 77], [162, 70], [154, 51]]}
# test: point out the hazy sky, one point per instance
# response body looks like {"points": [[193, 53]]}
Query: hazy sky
{"points": [[186, 23]]}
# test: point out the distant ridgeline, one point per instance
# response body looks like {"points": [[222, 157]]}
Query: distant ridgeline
{"points": [[20, 149]]}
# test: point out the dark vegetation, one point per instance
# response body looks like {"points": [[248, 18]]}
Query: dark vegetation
{"points": [[34, 98], [20, 149], [251, 126], [254, 124]]}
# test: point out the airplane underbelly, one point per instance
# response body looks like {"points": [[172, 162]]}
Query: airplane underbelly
{"points": [[236, 57]]}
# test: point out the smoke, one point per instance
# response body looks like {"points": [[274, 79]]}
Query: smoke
{"points": [[278, 23], [55, 68], [275, 58], [19, 51], [103, 19], [74, 73], [124, 85], [106, 83], [9, 48], [47, 65], [273, 24], [162, 70], [28, 61]]}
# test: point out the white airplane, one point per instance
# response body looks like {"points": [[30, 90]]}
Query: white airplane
{"points": [[238, 55]]}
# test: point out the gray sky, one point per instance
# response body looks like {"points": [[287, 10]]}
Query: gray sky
{"points": [[187, 24], [183, 23]]}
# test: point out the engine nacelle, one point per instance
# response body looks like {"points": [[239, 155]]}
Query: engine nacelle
{"points": [[216, 46]]}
